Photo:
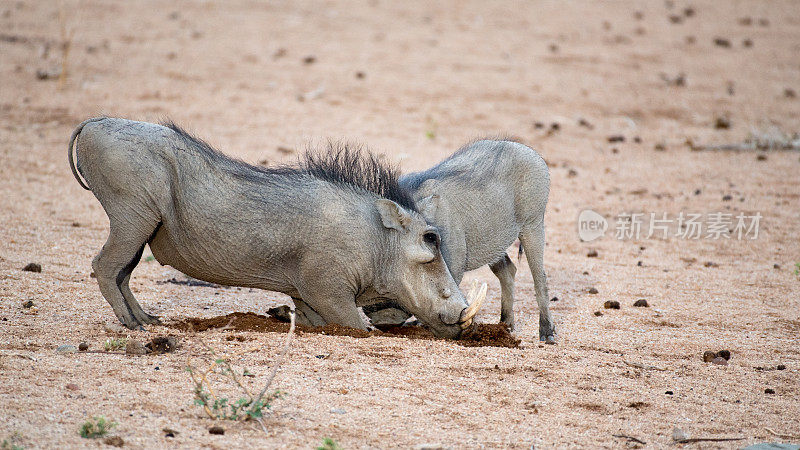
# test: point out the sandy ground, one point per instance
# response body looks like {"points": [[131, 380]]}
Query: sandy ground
{"points": [[415, 80]]}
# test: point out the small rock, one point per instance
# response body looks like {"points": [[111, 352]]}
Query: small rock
{"points": [[638, 15], [722, 123], [688, 11], [776, 266], [28, 304], [72, 387], [781, 367], [769, 391], [761, 157], [722, 42], [67, 348], [719, 361], [789, 93], [554, 299], [33, 267], [361, 75], [747, 43], [669, 393], [555, 126], [727, 197], [135, 347], [593, 290], [611, 304], [598, 313], [310, 59], [114, 328], [726, 354], [279, 53], [585, 123], [660, 147], [763, 22], [553, 48], [43, 74], [572, 173], [639, 264], [162, 344], [710, 264], [746, 21], [641, 303], [709, 356], [674, 18], [637, 140], [216, 429], [616, 138], [679, 435], [538, 125], [114, 441], [592, 253], [338, 411], [169, 432], [83, 346]]}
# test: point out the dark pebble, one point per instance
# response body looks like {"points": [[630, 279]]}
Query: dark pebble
{"points": [[554, 299], [761, 157], [360, 75], [637, 140], [538, 125], [789, 93], [781, 367], [769, 391], [709, 356], [722, 123], [28, 304], [722, 42], [114, 441], [593, 290], [616, 138], [641, 303], [611, 304], [669, 393], [727, 198], [592, 253], [776, 266], [724, 354], [747, 43], [216, 429], [598, 313], [33, 267], [639, 263], [83, 346], [307, 60]]}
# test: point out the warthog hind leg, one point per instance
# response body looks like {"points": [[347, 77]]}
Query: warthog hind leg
{"points": [[113, 267], [532, 238], [505, 271]]}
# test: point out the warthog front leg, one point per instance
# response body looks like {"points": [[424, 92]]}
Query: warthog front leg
{"points": [[505, 271], [532, 238]]}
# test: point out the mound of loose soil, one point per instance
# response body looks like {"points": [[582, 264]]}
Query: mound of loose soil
{"points": [[483, 335]]}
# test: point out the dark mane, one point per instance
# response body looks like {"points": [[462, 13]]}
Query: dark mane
{"points": [[347, 165], [339, 164]]}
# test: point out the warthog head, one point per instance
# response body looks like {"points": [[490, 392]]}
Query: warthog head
{"points": [[417, 276]]}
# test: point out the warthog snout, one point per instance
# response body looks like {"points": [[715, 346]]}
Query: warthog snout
{"points": [[475, 299]]}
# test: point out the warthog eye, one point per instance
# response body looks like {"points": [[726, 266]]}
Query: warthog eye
{"points": [[431, 238]]}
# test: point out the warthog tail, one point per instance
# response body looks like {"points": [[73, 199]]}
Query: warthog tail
{"points": [[74, 136]]}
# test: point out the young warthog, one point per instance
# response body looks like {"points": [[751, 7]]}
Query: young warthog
{"points": [[336, 231], [481, 199]]}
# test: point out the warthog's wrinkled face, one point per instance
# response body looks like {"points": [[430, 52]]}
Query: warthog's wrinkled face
{"points": [[416, 276]]}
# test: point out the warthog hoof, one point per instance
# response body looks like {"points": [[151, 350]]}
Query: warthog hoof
{"points": [[281, 313]]}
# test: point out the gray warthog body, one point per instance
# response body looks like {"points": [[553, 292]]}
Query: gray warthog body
{"points": [[481, 199], [335, 231]]}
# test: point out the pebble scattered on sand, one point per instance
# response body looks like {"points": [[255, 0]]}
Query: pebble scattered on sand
{"points": [[593, 290], [611, 304], [641, 303], [33, 267], [216, 429], [66, 348]]}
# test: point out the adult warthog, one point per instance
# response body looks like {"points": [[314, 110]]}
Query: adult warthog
{"points": [[481, 199], [336, 231]]}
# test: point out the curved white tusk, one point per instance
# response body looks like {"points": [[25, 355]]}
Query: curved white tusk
{"points": [[476, 300]]}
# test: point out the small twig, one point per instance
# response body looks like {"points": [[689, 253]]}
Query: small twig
{"points": [[630, 438], [643, 366], [279, 359], [690, 440], [784, 436]]}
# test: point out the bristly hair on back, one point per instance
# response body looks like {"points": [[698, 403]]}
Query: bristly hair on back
{"points": [[349, 165], [340, 164]]}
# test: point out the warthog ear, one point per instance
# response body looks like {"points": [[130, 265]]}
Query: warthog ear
{"points": [[427, 206], [392, 215]]}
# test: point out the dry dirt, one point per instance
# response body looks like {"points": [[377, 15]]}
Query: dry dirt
{"points": [[414, 81]]}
